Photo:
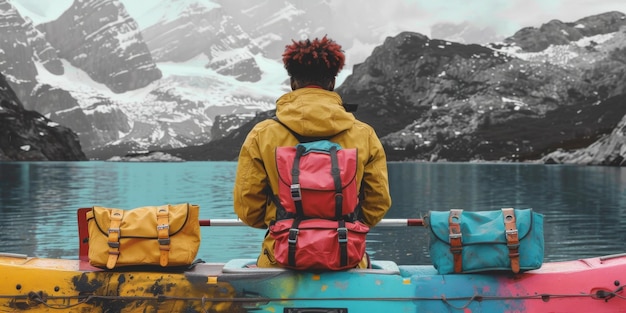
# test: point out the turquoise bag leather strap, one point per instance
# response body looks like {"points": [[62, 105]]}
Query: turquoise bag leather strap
{"points": [[456, 239], [512, 238]]}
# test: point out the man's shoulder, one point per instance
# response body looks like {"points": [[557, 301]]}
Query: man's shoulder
{"points": [[362, 126], [268, 125], [268, 122]]}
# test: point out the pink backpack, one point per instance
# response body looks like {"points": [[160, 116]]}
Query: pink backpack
{"points": [[316, 226]]}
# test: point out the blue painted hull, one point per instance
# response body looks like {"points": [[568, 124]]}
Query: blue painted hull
{"points": [[591, 285], [47, 285]]}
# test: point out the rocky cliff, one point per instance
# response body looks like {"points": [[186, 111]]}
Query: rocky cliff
{"points": [[23, 47], [21, 41], [16, 54], [609, 150], [557, 33], [209, 31], [223, 148], [270, 23], [29, 136], [100, 122], [103, 63], [518, 100], [99, 37], [437, 100], [556, 86]]}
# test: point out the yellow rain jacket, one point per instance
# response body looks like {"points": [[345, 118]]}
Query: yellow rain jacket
{"points": [[311, 112]]}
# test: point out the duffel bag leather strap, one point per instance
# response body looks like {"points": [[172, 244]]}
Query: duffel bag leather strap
{"points": [[456, 240], [114, 237], [512, 239], [163, 233]]}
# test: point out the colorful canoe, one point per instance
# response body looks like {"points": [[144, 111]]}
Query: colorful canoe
{"points": [[61, 285]]}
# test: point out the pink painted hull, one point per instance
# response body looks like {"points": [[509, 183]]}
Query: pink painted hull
{"points": [[565, 283], [594, 285]]}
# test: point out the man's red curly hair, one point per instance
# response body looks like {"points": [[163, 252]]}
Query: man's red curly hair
{"points": [[313, 60]]}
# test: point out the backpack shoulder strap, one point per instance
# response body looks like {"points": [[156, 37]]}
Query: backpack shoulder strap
{"points": [[281, 213]]}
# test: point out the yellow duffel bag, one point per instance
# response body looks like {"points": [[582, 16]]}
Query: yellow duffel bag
{"points": [[167, 235]]}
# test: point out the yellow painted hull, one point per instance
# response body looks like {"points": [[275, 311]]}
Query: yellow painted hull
{"points": [[56, 285]]}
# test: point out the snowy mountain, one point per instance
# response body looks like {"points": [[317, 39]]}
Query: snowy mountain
{"points": [[135, 75], [559, 85], [517, 100], [108, 87], [130, 75], [100, 38], [199, 29]]}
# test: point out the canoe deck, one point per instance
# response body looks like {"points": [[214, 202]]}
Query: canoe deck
{"points": [[48, 285]]}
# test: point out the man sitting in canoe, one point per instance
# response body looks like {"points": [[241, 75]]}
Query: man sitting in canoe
{"points": [[312, 110]]}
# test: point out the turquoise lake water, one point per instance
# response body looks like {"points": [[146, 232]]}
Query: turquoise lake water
{"points": [[584, 207]]}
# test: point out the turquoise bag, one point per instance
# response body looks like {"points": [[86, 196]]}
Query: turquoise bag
{"points": [[466, 242]]}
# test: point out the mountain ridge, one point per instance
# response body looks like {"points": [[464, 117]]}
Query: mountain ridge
{"points": [[29, 136], [429, 99], [434, 100]]}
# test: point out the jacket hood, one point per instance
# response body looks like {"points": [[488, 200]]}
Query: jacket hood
{"points": [[313, 112]]}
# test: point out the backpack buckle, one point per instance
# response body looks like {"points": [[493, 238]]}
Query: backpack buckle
{"points": [[293, 235], [343, 234], [296, 195]]}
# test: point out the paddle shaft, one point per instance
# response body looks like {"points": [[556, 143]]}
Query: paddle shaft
{"points": [[388, 222]]}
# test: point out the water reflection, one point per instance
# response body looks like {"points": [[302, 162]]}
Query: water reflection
{"points": [[38, 201], [583, 206]]}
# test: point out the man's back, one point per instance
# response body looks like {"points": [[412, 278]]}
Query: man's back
{"points": [[310, 110]]}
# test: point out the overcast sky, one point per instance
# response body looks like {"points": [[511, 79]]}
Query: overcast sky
{"points": [[506, 16]]}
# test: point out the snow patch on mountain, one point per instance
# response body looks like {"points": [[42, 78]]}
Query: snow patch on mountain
{"points": [[75, 81], [195, 82], [562, 54], [188, 80]]}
